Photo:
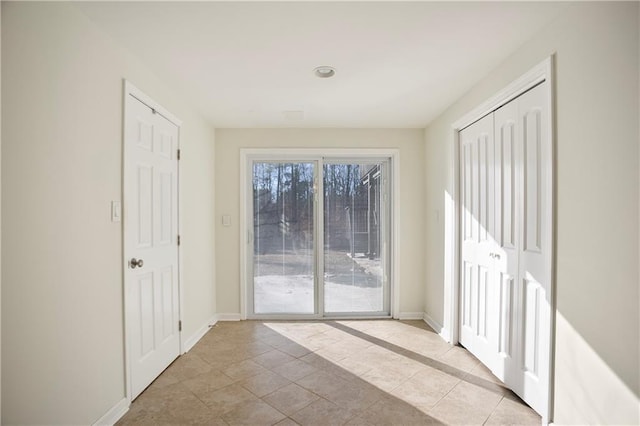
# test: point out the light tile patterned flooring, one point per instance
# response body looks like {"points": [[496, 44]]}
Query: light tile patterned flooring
{"points": [[360, 372]]}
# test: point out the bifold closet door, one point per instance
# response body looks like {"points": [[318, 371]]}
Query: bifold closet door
{"points": [[508, 170], [479, 322], [505, 227], [534, 249]]}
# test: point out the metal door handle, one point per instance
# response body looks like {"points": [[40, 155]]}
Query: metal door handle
{"points": [[136, 262]]}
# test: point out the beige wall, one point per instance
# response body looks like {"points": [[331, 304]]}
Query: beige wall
{"points": [[597, 334], [62, 319], [411, 146]]}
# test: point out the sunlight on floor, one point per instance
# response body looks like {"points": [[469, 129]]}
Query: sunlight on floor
{"points": [[395, 357], [356, 372]]}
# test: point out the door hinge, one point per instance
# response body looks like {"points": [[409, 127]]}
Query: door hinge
{"points": [[178, 239], [178, 154], [180, 325]]}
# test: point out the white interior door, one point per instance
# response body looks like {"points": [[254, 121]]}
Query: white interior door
{"points": [[151, 249], [523, 164], [507, 172], [505, 180], [534, 271], [479, 321]]}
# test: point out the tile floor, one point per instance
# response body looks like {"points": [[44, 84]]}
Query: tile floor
{"points": [[359, 372]]}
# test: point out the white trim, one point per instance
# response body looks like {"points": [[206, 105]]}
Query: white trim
{"points": [[537, 74], [313, 154], [451, 248], [114, 414], [180, 252], [345, 317], [395, 235], [199, 334], [404, 316], [541, 72], [130, 90], [244, 234], [229, 317], [437, 327], [127, 88], [318, 220], [549, 67]]}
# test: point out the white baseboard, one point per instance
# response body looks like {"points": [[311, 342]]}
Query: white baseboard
{"points": [[229, 317], [191, 341], [437, 327], [410, 316], [114, 414]]}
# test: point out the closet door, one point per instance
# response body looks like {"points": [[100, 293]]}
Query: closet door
{"points": [[508, 171], [479, 319], [506, 230], [534, 271], [522, 258]]}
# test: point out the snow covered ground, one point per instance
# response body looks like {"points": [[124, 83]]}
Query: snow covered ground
{"points": [[370, 266], [294, 294]]}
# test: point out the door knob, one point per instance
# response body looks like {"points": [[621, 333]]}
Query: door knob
{"points": [[135, 262]]}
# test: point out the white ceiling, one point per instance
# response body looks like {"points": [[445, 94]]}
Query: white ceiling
{"points": [[399, 64]]}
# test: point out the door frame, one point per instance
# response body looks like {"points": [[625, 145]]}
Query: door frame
{"points": [[312, 154], [544, 71], [130, 90]]}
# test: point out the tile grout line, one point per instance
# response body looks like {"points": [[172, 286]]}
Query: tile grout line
{"points": [[493, 411]]}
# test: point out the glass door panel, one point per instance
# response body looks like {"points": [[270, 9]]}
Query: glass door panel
{"points": [[283, 229], [355, 229]]}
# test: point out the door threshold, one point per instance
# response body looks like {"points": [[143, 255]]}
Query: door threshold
{"points": [[316, 319]]}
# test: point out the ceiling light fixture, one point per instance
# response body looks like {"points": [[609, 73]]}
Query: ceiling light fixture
{"points": [[324, 71]]}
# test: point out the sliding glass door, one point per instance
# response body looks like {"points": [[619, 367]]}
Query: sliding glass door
{"points": [[318, 243], [355, 227], [284, 265]]}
